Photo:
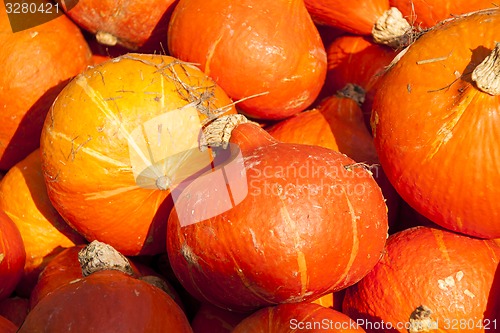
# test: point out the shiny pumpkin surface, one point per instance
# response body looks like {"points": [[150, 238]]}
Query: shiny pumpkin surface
{"points": [[12, 256]]}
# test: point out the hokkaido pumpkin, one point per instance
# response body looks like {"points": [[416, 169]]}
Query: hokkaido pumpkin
{"points": [[289, 224], [301, 317], [12, 256], [429, 279], [436, 124], [353, 59], [15, 309], [426, 13], [118, 137], [210, 318], [374, 18], [337, 123], [36, 64], [268, 55], [23, 197], [132, 24], [106, 299]]}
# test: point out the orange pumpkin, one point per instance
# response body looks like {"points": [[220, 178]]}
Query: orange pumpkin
{"points": [[301, 317], [6, 326], [298, 222], [12, 256], [119, 137], [436, 131], [268, 55], [429, 280], [36, 64], [426, 13], [132, 24], [23, 197]]}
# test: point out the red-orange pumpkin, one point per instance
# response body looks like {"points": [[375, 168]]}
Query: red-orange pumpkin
{"points": [[6, 326], [106, 301], [116, 140], [251, 48], [301, 317], [429, 277], [426, 13], [293, 223], [23, 197], [15, 309], [437, 133], [12, 256], [36, 64], [133, 24]]}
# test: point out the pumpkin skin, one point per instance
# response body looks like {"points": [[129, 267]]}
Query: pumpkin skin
{"points": [[426, 13], [355, 60], [14, 309], [450, 274], [433, 128], [301, 317], [276, 39], [131, 24], [337, 123], [12, 256], [212, 319], [24, 198], [6, 326], [106, 301], [292, 237], [95, 154], [27, 87]]}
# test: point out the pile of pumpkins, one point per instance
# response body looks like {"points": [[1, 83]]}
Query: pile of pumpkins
{"points": [[250, 166]]}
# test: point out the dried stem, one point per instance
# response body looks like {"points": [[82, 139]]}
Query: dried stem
{"points": [[486, 75], [98, 256], [218, 132], [392, 29]]}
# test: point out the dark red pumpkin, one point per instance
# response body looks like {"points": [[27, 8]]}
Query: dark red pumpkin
{"points": [[12, 255], [211, 319], [299, 222], [300, 317], [436, 132], [429, 277], [15, 309]]}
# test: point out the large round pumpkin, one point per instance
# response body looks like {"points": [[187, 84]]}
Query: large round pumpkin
{"points": [[268, 55], [429, 279], [36, 64], [118, 137], [23, 197], [436, 131], [290, 223], [12, 256]]}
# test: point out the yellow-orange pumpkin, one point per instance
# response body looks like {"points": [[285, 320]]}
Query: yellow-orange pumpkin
{"points": [[118, 138]]}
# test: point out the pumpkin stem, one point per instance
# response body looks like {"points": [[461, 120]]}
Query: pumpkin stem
{"points": [[421, 321], [354, 92], [98, 256], [218, 132], [392, 29], [486, 75]]}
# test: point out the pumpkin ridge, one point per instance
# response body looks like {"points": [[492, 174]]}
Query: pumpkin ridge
{"points": [[439, 237]]}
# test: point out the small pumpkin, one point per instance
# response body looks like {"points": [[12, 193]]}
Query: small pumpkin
{"points": [[106, 299], [36, 64], [268, 55], [12, 256], [298, 222], [24, 198], [300, 317], [119, 137], [435, 124], [131, 24], [429, 279]]}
